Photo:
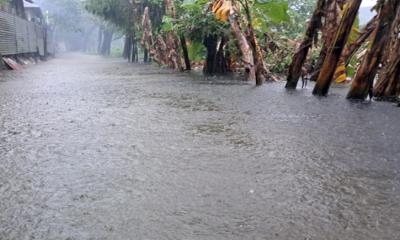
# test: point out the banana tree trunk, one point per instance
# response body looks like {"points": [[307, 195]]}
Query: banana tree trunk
{"points": [[328, 68], [247, 52], [363, 82], [216, 63], [106, 45], [260, 69], [159, 51], [352, 48], [332, 20], [261, 72], [389, 79], [172, 41], [185, 53]]}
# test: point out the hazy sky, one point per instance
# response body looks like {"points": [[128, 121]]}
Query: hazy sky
{"points": [[368, 3]]}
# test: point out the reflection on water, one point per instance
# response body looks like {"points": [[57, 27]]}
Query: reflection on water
{"points": [[95, 148]]}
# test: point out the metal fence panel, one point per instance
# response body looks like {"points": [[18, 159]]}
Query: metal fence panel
{"points": [[33, 43], [8, 43], [18, 35], [40, 33], [22, 36]]}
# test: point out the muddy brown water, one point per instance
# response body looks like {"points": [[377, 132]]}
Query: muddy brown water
{"points": [[94, 148]]}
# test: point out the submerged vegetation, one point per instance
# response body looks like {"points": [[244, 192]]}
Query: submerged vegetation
{"points": [[320, 40]]}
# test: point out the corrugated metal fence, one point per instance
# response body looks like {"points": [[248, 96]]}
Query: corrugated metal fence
{"points": [[19, 36]]}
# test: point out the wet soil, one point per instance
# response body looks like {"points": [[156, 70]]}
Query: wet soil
{"points": [[94, 148]]}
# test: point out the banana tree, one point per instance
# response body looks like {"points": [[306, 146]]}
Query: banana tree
{"points": [[245, 18], [388, 85], [207, 37], [362, 85], [336, 48], [311, 37]]}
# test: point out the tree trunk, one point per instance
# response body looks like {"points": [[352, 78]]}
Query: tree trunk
{"points": [[245, 49], [302, 52], [161, 52], [171, 40], [391, 80], [210, 42], [352, 48], [100, 39], [387, 87], [147, 36], [132, 47], [215, 62], [106, 46], [363, 82], [145, 55], [131, 50], [185, 53], [332, 21], [222, 61], [328, 68], [174, 58], [127, 48], [260, 69], [261, 72], [135, 51]]}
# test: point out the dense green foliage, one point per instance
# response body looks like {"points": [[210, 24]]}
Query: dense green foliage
{"points": [[282, 19]]}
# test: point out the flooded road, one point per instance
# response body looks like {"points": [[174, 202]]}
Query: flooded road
{"points": [[94, 148]]}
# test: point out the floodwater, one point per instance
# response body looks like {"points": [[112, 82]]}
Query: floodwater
{"points": [[95, 148]]}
